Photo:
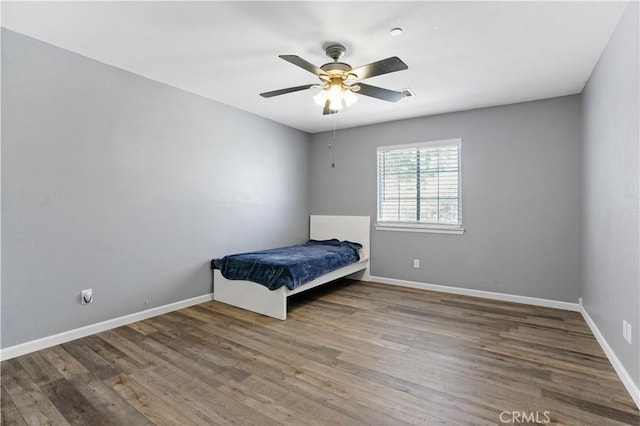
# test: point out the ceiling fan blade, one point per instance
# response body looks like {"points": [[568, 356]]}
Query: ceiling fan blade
{"points": [[287, 90], [326, 110], [297, 60], [383, 66], [379, 93]]}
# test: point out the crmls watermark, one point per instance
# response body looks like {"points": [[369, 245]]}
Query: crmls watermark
{"points": [[515, 417]]}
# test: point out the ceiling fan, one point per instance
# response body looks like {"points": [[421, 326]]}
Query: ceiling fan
{"points": [[340, 82]]}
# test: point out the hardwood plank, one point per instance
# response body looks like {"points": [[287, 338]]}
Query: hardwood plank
{"points": [[350, 353], [109, 406], [93, 362], [243, 354], [294, 395], [62, 361], [40, 370], [185, 363], [31, 402], [265, 404], [182, 403], [143, 328], [606, 413], [146, 402], [118, 360], [9, 413], [72, 404], [376, 403], [130, 348], [207, 399]]}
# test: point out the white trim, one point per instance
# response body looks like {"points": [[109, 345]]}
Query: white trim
{"points": [[66, 336], [624, 376], [435, 229], [442, 142], [548, 303]]}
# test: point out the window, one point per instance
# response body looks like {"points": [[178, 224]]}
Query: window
{"points": [[419, 187]]}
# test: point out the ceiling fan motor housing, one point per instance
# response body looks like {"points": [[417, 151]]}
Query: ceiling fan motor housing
{"points": [[336, 69], [335, 51]]}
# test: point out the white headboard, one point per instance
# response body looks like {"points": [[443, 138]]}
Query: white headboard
{"points": [[352, 228]]}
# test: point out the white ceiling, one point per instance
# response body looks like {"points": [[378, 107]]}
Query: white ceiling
{"points": [[461, 55]]}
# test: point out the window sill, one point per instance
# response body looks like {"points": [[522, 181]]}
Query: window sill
{"points": [[434, 229]]}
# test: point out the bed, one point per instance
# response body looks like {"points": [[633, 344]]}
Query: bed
{"points": [[273, 303]]}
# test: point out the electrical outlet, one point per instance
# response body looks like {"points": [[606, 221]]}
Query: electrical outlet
{"points": [[626, 331], [86, 296], [416, 263]]}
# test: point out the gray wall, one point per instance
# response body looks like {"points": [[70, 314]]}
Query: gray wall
{"points": [[127, 186], [610, 268], [521, 198]]}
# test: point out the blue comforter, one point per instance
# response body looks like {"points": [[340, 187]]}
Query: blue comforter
{"points": [[291, 266]]}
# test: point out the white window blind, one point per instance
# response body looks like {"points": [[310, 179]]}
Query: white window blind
{"points": [[419, 184]]}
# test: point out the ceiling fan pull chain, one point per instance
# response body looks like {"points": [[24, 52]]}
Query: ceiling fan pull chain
{"points": [[332, 145]]}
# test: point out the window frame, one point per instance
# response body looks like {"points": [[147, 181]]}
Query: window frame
{"points": [[439, 228]]}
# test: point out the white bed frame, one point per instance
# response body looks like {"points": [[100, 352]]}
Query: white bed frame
{"points": [[258, 298]]}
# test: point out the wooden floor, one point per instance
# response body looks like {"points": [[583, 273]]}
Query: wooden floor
{"points": [[352, 353]]}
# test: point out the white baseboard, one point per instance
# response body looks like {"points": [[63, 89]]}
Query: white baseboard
{"points": [[548, 303], [624, 376], [66, 336]]}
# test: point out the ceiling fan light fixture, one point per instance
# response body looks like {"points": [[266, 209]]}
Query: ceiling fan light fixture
{"points": [[350, 98], [339, 96], [321, 97], [335, 95], [336, 106]]}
